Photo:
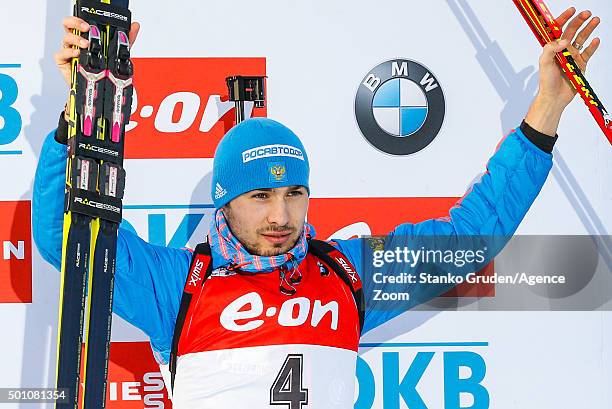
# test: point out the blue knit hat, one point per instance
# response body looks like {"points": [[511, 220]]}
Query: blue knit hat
{"points": [[258, 153]]}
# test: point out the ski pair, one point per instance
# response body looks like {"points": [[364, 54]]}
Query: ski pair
{"points": [[543, 24], [99, 106]]}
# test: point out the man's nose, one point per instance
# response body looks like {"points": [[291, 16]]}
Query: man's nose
{"points": [[278, 212]]}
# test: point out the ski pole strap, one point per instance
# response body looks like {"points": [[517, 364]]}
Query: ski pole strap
{"points": [[345, 270], [200, 263]]}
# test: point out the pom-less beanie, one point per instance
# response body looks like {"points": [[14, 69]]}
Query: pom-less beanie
{"points": [[258, 153]]}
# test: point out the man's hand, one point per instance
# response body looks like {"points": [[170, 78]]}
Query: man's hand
{"points": [[555, 91], [72, 44]]}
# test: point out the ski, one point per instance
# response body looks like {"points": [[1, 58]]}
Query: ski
{"points": [[542, 23], [100, 102]]}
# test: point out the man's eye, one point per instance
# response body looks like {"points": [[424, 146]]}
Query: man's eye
{"points": [[260, 195], [295, 193]]}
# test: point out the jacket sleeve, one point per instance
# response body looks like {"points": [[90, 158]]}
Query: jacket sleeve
{"points": [[149, 279], [491, 208]]}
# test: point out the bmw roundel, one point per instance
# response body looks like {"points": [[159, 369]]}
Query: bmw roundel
{"points": [[400, 107]]}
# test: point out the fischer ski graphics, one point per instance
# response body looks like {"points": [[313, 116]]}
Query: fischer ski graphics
{"points": [[542, 23], [99, 106]]}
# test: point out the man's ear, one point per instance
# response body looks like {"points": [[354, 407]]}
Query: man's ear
{"points": [[226, 210]]}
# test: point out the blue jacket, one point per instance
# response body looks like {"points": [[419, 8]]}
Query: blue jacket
{"points": [[149, 279]]}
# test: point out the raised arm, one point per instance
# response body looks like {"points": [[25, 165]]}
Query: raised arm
{"points": [[493, 207]]}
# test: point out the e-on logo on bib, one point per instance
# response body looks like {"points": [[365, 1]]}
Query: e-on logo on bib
{"points": [[400, 107]]}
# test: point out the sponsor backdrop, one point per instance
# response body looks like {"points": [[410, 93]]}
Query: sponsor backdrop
{"points": [[399, 105]]}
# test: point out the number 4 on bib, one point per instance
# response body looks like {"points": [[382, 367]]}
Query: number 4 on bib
{"points": [[287, 388]]}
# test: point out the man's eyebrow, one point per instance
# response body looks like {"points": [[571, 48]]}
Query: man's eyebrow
{"points": [[267, 189]]}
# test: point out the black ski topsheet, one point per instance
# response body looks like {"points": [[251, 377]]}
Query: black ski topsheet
{"points": [[100, 104], [116, 110], [72, 303], [100, 299]]}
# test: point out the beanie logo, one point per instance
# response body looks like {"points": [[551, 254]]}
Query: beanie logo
{"points": [[278, 172], [219, 191], [271, 150]]}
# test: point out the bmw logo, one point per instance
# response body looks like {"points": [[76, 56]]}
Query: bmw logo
{"points": [[400, 107]]}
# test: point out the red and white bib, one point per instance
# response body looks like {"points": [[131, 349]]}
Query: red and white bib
{"points": [[244, 344]]}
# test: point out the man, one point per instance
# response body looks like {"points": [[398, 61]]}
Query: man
{"points": [[270, 325]]}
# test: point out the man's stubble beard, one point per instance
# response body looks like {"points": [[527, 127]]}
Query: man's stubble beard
{"points": [[255, 248], [277, 249]]}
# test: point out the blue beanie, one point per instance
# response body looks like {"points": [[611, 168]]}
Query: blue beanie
{"points": [[258, 153]]}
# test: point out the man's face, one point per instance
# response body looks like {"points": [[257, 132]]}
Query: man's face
{"points": [[268, 222]]}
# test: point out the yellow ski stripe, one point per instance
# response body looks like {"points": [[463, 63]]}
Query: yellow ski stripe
{"points": [[67, 216], [94, 230], [67, 223]]}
